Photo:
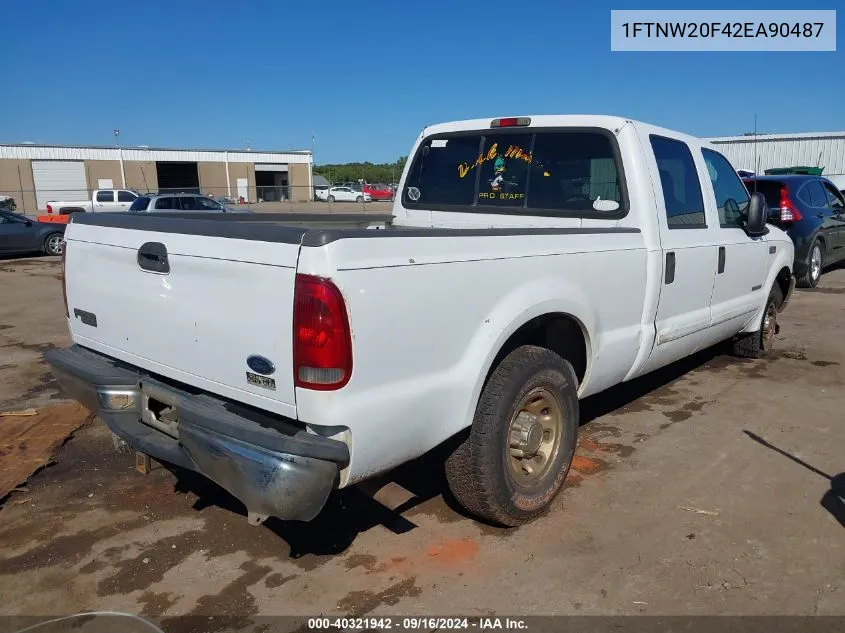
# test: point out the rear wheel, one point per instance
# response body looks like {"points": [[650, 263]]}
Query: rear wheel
{"points": [[53, 244], [522, 439], [760, 343], [813, 269], [330, 198], [359, 199]]}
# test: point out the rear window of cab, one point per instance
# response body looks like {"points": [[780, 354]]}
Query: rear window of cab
{"points": [[568, 172]]}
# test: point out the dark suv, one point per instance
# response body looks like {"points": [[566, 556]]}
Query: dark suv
{"points": [[812, 212]]}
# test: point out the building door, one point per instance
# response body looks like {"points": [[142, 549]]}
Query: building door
{"points": [[243, 189], [59, 180]]}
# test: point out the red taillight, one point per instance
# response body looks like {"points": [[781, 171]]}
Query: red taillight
{"points": [[322, 341], [788, 211], [64, 284], [49, 208]]}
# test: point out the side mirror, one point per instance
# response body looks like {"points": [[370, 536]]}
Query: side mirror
{"points": [[758, 212]]}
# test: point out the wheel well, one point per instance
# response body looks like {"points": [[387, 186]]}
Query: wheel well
{"points": [[559, 332], [782, 280]]}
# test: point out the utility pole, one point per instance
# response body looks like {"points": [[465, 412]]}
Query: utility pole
{"points": [[756, 160], [116, 133]]}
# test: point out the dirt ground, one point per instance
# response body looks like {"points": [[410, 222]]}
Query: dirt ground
{"points": [[702, 489]]}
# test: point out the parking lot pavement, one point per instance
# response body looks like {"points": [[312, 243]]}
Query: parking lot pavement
{"points": [[702, 489]]}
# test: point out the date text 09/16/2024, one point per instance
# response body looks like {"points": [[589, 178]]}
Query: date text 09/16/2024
{"points": [[415, 623]]}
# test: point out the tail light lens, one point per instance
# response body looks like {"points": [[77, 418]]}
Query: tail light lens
{"points": [[322, 341], [64, 283], [49, 208], [788, 211]]}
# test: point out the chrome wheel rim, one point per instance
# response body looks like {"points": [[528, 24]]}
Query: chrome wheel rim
{"points": [[535, 434], [816, 262], [770, 325], [54, 245]]}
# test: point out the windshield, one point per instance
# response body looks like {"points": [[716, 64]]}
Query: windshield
{"points": [[140, 204]]}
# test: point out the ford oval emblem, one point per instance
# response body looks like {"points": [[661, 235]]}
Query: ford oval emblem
{"points": [[261, 365]]}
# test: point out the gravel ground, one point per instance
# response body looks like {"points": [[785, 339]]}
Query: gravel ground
{"points": [[704, 488]]}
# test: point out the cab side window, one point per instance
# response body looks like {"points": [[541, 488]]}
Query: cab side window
{"points": [[731, 195], [680, 184]]}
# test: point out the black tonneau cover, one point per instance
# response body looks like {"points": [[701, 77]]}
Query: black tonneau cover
{"points": [[289, 228]]}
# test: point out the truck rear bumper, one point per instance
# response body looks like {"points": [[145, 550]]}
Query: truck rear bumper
{"points": [[274, 467]]}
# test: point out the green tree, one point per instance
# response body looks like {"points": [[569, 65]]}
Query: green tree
{"points": [[370, 172]]}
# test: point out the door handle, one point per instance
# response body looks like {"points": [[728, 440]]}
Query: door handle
{"points": [[721, 268], [152, 256], [669, 276]]}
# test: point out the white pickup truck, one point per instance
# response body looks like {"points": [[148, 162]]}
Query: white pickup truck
{"points": [[529, 262], [102, 201]]}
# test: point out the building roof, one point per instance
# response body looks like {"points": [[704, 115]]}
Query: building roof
{"points": [[815, 149], [749, 138], [31, 151]]}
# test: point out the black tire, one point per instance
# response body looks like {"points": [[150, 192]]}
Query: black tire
{"points": [[53, 244], [758, 344], [812, 274], [359, 199], [479, 471], [330, 198]]}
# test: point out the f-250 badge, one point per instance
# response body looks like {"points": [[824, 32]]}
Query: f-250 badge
{"points": [[260, 381]]}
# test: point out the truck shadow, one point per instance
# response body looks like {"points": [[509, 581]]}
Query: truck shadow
{"points": [[351, 511]]}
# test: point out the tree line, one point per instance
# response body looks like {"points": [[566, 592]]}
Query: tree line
{"points": [[370, 172]]}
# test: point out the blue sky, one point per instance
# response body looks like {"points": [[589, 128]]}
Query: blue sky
{"points": [[364, 77]]}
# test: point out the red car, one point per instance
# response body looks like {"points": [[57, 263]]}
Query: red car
{"points": [[379, 192]]}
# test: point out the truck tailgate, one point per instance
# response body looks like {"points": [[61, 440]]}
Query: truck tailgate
{"points": [[195, 315]]}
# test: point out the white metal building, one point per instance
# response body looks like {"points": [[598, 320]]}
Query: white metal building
{"points": [[816, 149], [36, 174]]}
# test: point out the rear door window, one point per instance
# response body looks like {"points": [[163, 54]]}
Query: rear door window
{"points": [[105, 196], [680, 184], [125, 196], [167, 203], [189, 203], [548, 172]]}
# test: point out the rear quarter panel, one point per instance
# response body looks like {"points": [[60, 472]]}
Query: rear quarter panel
{"points": [[429, 314]]}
